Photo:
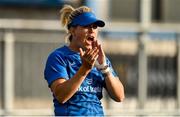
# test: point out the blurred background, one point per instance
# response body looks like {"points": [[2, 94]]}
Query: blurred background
{"points": [[141, 38]]}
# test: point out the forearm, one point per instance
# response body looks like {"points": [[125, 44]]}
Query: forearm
{"points": [[64, 91], [114, 87]]}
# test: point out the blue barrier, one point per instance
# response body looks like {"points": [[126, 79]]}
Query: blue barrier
{"points": [[43, 3], [134, 35]]}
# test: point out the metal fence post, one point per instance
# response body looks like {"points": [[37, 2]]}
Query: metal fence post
{"points": [[8, 90], [145, 20], [142, 71], [178, 70]]}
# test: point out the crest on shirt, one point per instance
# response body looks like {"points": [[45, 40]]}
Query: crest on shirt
{"points": [[89, 81]]}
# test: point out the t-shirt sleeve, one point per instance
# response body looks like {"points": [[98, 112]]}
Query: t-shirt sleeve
{"points": [[55, 68]]}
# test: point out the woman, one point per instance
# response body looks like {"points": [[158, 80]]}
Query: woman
{"points": [[77, 73]]}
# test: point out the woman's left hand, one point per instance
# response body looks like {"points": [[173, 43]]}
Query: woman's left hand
{"points": [[101, 55]]}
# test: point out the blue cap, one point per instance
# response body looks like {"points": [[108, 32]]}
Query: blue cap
{"points": [[86, 19]]}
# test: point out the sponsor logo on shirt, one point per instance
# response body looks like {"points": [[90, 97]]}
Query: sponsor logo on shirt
{"points": [[89, 88]]}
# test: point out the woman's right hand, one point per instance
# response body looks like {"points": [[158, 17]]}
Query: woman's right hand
{"points": [[89, 57]]}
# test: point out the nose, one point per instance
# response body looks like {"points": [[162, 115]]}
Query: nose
{"points": [[92, 28]]}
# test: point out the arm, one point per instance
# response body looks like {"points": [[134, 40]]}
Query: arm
{"points": [[114, 87], [65, 89]]}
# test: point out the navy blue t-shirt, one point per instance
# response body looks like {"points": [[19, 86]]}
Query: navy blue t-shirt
{"points": [[64, 63]]}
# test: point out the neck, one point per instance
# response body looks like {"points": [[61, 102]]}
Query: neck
{"points": [[73, 47]]}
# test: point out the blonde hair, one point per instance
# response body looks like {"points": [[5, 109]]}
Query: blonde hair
{"points": [[67, 14]]}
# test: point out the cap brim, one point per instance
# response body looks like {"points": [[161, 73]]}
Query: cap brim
{"points": [[100, 23], [86, 19]]}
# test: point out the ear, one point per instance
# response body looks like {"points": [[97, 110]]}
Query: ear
{"points": [[72, 30]]}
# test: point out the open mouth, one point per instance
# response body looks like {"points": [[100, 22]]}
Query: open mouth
{"points": [[90, 38]]}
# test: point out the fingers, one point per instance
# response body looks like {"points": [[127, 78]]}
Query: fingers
{"points": [[94, 54], [101, 55], [101, 59], [100, 49], [98, 45], [81, 52], [89, 56], [95, 44]]}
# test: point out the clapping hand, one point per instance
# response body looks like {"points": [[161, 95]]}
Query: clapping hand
{"points": [[89, 57]]}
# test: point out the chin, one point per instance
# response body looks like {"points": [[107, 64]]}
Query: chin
{"points": [[86, 47]]}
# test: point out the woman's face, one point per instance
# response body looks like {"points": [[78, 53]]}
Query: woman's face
{"points": [[84, 36]]}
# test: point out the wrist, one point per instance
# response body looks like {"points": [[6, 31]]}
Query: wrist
{"points": [[105, 69], [87, 66], [106, 74], [84, 70], [100, 66]]}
